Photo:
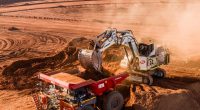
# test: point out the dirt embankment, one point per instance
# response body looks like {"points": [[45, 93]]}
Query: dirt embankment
{"points": [[143, 97], [7, 2], [22, 74]]}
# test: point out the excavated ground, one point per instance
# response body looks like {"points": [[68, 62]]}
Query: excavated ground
{"points": [[45, 36], [173, 91]]}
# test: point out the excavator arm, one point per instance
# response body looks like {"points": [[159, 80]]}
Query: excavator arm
{"points": [[103, 42], [143, 60], [114, 37]]}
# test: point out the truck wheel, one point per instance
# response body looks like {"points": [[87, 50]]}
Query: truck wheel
{"points": [[147, 80], [88, 107], [52, 108], [113, 101], [159, 73]]}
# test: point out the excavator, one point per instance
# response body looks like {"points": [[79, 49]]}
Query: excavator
{"points": [[141, 60]]}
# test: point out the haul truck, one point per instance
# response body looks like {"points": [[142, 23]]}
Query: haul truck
{"points": [[69, 92]]}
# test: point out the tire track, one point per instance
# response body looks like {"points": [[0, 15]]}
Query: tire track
{"points": [[6, 44], [34, 44], [54, 18], [44, 18]]}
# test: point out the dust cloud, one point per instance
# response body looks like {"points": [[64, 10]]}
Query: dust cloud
{"points": [[184, 34], [173, 23]]}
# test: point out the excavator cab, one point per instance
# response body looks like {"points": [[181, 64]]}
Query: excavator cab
{"points": [[145, 49]]}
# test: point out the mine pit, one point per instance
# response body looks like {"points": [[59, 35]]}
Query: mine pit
{"points": [[46, 36]]}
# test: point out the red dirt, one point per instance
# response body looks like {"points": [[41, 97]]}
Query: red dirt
{"points": [[43, 36]]}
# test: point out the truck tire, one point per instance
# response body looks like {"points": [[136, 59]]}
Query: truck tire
{"points": [[113, 101], [88, 107]]}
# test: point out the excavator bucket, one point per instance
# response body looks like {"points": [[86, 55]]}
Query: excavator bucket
{"points": [[90, 59]]}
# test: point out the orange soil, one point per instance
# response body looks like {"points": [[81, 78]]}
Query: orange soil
{"points": [[37, 36]]}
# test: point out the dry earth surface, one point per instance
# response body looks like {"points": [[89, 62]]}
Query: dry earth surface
{"points": [[41, 35]]}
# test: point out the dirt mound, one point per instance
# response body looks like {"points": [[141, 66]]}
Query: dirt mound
{"points": [[176, 100], [143, 97], [21, 74], [195, 88]]}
